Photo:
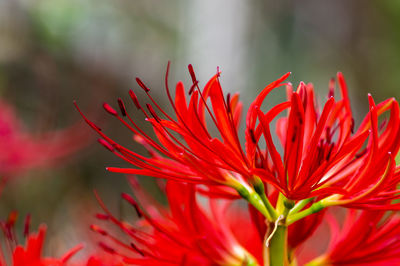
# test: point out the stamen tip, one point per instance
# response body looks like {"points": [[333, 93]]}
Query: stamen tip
{"points": [[109, 109], [122, 107], [141, 84], [192, 74], [106, 144], [134, 99]]}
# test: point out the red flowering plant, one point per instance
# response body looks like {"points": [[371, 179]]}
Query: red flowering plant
{"points": [[185, 234], [325, 162], [192, 231], [30, 254], [365, 238], [21, 151]]}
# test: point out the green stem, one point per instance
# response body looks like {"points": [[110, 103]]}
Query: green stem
{"points": [[300, 205], [277, 247], [260, 190], [280, 206], [269, 207], [254, 199], [276, 241], [316, 207]]}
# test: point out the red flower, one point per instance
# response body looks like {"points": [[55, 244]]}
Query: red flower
{"points": [[366, 238], [185, 234], [322, 156], [21, 150], [195, 156], [31, 254]]}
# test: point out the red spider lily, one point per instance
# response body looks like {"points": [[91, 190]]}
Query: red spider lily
{"points": [[185, 234], [195, 156], [21, 150], [31, 254], [321, 155], [366, 238]]}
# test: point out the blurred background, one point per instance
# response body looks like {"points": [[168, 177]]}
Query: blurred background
{"points": [[55, 51]]}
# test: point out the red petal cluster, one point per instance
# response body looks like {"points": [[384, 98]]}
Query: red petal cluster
{"points": [[322, 156], [366, 238], [31, 253], [185, 234], [186, 149], [324, 162]]}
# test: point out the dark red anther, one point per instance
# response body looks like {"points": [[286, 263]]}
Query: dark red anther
{"points": [[252, 136], [137, 249], [131, 201], [141, 84], [361, 153], [294, 134], [300, 118], [331, 88], [228, 103], [107, 145], [109, 109], [102, 216], [106, 248], [192, 74], [12, 218], [122, 107], [97, 229], [330, 149], [383, 124], [27, 225], [152, 112], [117, 147], [194, 85], [328, 135], [135, 99], [93, 125], [352, 126]]}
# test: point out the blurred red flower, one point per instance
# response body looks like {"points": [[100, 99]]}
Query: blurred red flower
{"points": [[31, 253], [21, 150], [365, 238], [186, 233]]}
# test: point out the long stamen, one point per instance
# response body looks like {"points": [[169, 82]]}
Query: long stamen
{"points": [[27, 225], [205, 102], [176, 111]]}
